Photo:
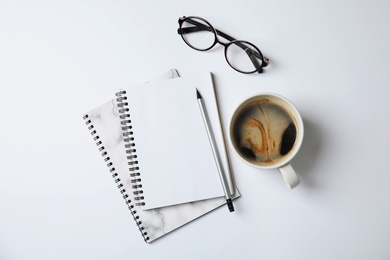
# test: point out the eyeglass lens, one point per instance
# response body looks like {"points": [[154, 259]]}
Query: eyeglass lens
{"points": [[243, 56], [198, 34]]}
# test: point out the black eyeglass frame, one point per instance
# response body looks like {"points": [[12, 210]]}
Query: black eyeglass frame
{"points": [[240, 43]]}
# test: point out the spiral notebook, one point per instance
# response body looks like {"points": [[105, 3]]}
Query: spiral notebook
{"points": [[169, 150], [104, 123]]}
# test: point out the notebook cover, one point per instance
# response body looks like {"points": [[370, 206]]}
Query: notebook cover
{"points": [[173, 161]]}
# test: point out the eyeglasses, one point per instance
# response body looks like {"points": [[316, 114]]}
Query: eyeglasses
{"points": [[200, 35]]}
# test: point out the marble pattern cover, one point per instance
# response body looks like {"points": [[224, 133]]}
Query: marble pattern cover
{"points": [[104, 124]]}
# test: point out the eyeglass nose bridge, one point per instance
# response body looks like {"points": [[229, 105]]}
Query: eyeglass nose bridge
{"points": [[224, 44]]}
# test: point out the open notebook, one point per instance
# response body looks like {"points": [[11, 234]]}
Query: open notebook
{"points": [[104, 123]]}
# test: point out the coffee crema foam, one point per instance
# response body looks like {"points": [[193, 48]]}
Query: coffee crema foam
{"points": [[264, 131]]}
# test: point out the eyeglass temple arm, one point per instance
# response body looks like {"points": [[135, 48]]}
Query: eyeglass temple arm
{"points": [[200, 27]]}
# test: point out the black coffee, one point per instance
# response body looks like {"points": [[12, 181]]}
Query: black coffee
{"points": [[264, 131]]}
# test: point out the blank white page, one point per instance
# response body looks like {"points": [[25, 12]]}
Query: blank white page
{"points": [[174, 155]]}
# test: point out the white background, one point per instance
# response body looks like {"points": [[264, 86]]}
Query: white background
{"points": [[59, 59]]}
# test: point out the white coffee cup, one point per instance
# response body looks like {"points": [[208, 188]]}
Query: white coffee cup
{"points": [[266, 131]]}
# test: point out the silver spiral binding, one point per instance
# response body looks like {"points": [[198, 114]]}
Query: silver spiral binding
{"points": [[115, 175], [130, 148]]}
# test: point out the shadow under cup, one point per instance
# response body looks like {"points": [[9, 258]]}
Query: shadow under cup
{"points": [[266, 131]]}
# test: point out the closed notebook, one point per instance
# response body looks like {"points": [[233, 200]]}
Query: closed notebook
{"points": [[104, 123], [170, 156]]}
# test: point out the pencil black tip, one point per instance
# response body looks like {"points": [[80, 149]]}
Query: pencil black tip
{"points": [[198, 95], [230, 205]]}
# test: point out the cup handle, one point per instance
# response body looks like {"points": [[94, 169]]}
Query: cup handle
{"points": [[289, 176]]}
